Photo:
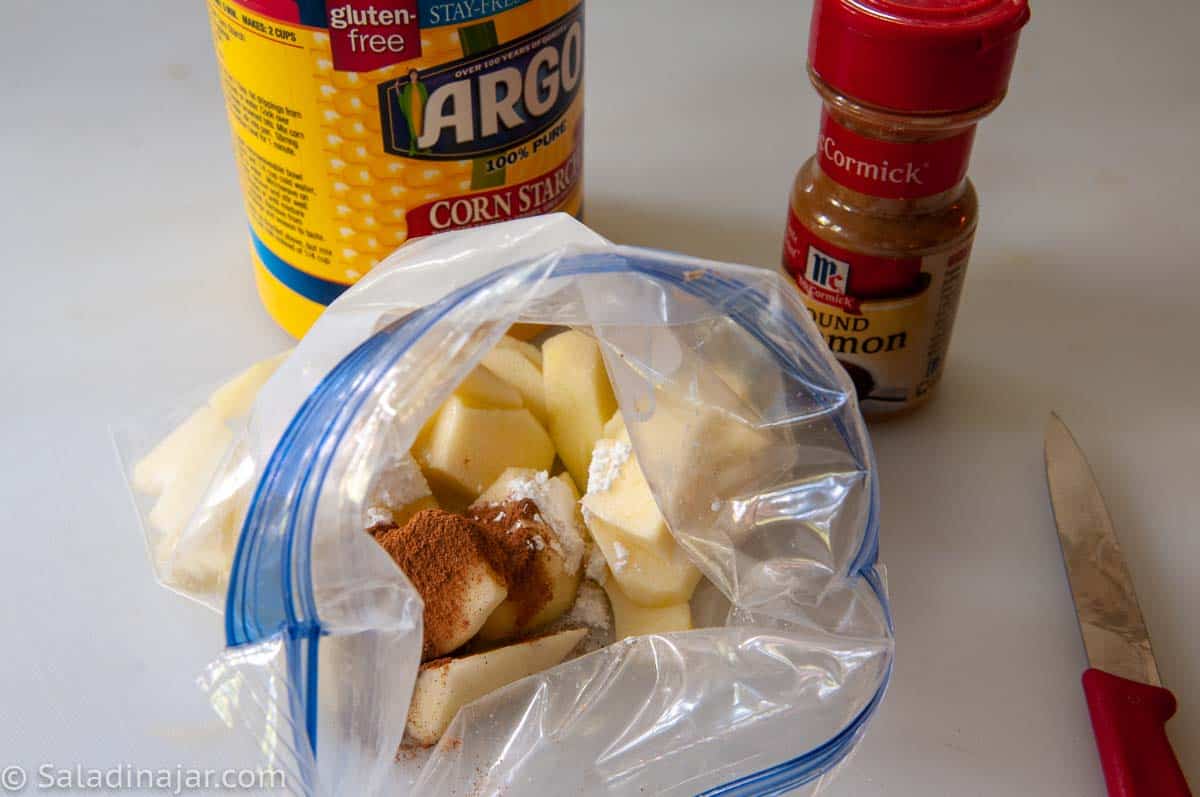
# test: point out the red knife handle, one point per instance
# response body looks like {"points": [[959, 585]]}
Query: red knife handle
{"points": [[1129, 720]]}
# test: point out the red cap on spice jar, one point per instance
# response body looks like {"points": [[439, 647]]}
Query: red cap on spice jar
{"points": [[921, 56]]}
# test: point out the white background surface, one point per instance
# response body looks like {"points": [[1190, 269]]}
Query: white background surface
{"points": [[127, 280]]}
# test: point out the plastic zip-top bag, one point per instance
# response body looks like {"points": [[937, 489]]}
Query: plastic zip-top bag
{"points": [[747, 435]]}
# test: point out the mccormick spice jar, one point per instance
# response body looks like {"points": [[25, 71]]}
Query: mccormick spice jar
{"points": [[882, 217], [359, 124]]}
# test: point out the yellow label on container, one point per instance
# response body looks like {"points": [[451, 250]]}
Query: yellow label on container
{"points": [[886, 319], [358, 125]]}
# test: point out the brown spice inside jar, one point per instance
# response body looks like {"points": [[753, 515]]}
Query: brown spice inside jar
{"points": [[519, 531], [440, 552], [880, 226]]}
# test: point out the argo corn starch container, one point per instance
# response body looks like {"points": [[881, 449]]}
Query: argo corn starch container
{"points": [[359, 124]]}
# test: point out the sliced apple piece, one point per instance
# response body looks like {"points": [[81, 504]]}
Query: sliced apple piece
{"points": [[527, 350], [545, 581], [467, 448], [515, 368], [618, 494], [521, 482], [443, 687], [556, 499], [186, 478], [232, 400], [201, 558], [620, 512], [156, 470], [630, 619], [484, 389], [235, 398], [405, 513], [498, 491], [502, 624], [524, 332], [614, 428], [462, 592], [563, 586], [484, 590], [705, 450], [579, 398], [647, 578]]}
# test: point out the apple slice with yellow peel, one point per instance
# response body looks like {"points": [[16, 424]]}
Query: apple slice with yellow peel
{"points": [[482, 388], [517, 370], [235, 398], [446, 685], [467, 448], [630, 619], [579, 398]]}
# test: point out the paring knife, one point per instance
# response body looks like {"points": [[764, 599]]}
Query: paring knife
{"points": [[1126, 700]]}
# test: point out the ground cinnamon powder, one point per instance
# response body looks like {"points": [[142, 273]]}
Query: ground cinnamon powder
{"points": [[440, 553], [520, 532]]}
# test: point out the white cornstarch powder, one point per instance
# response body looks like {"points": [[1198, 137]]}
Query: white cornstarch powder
{"points": [[395, 487], [597, 565], [379, 515], [399, 484], [607, 458], [591, 608], [592, 611], [519, 489], [620, 556], [555, 509]]}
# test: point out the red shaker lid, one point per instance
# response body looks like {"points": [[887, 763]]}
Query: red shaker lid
{"points": [[920, 56]]}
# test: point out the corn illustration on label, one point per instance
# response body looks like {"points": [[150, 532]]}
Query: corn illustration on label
{"points": [[359, 124]]}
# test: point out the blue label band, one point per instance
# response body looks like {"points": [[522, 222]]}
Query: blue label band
{"points": [[312, 288]]}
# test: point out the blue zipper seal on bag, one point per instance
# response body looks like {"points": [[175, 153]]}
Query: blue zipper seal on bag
{"points": [[270, 591]]}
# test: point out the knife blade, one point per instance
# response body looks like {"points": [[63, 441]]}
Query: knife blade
{"points": [[1129, 707]]}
